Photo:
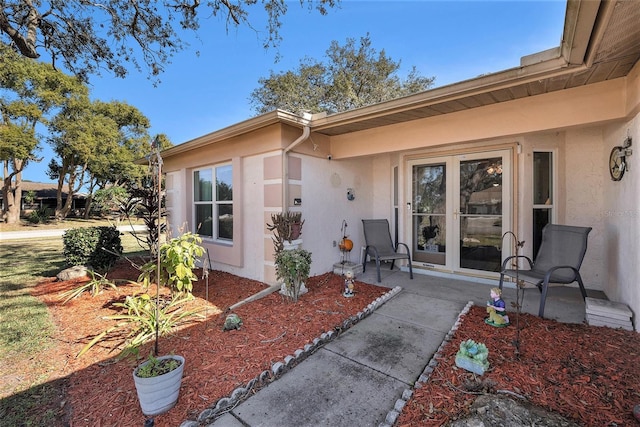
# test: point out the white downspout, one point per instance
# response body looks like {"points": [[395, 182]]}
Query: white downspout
{"points": [[285, 166]]}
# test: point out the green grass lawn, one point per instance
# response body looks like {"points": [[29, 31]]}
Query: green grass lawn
{"points": [[25, 325]]}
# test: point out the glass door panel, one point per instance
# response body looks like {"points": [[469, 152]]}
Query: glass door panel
{"points": [[460, 208], [429, 212], [480, 213]]}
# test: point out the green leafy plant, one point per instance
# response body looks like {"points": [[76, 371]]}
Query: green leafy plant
{"points": [[97, 283], [177, 260], [156, 367], [98, 247], [147, 317], [144, 319], [39, 215], [292, 267]]}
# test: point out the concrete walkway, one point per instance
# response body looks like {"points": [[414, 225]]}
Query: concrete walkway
{"points": [[359, 378]]}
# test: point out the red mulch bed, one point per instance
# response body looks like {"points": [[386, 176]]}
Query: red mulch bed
{"points": [[590, 375], [100, 389]]}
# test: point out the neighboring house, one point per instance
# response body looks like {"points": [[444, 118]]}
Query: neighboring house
{"points": [[45, 197], [508, 151]]}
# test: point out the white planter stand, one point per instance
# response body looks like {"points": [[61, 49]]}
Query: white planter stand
{"points": [[291, 245]]}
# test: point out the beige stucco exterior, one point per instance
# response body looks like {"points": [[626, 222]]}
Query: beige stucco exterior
{"points": [[579, 126]]}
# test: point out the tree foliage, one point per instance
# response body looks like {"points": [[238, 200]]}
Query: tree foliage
{"points": [[96, 143], [30, 93], [353, 77], [87, 36]]}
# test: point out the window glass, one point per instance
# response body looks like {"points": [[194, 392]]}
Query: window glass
{"points": [[204, 220], [224, 187], [203, 185], [213, 211], [542, 178], [542, 195], [225, 222]]}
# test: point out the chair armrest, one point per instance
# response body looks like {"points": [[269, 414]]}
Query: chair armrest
{"points": [[506, 261], [402, 244], [375, 250]]}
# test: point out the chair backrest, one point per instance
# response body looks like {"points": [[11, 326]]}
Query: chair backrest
{"points": [[376, 233], [561, 245]]}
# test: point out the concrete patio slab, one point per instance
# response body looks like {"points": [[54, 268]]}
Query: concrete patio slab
{"points": [[324, 390]]}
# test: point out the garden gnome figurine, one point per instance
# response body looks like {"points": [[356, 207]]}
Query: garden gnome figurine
{"points": [[496, 309], [348, 284]]}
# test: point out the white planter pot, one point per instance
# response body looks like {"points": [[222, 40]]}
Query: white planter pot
{"points": [[159, 394], [291, 245]]}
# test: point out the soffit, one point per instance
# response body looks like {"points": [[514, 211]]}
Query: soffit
{"points": [[613, 48]]}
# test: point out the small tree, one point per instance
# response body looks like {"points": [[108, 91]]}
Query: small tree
{"points": [[30, 92]]}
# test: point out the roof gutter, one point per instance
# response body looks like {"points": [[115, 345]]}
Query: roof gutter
{"points": [[306, 131]]}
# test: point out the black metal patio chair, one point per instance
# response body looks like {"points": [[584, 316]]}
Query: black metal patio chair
{"points": [[380, 247], [558, 260]]}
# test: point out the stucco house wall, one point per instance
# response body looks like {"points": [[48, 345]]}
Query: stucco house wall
{"points": [[579, 126], [621, 222]]}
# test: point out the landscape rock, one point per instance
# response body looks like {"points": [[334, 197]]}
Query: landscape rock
{"points": [[75, 272]]}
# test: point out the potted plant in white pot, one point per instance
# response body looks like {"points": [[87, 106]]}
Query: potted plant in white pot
{"points": [[158, 383], [292, 267], [158, 379], [146, 317]]}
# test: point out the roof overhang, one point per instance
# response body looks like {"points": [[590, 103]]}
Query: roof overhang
{"points": [[601, 41]]}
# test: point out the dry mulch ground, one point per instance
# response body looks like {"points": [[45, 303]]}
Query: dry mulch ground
{"points": [[100, 389], [590, 375]]}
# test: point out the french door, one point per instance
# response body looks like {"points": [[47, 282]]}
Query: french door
{"points": [[460, 208]]}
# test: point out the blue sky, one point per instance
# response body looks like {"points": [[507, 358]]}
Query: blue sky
{"points": [[451, 40]]}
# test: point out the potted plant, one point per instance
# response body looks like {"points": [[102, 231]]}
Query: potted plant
{"points": [[286, 228], [292, 267], [158, 379], [146, 317], [158, 383]]}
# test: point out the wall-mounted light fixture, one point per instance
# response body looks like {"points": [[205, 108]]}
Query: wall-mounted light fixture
{"points": [[351, 195]]}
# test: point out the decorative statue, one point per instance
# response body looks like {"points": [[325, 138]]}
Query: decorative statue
{"points": [[349, 283], [496, 309]]}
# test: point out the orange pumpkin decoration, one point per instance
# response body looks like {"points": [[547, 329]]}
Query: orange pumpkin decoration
{"points": [[346, 245]]}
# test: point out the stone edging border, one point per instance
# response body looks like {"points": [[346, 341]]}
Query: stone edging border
{"points": [[392, 416], [226, 404]]}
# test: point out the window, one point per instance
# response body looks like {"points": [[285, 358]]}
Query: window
{"points": [[542, 194], [213, 210]]}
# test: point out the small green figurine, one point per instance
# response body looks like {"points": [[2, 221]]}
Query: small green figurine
{"points": [[232, 321]]}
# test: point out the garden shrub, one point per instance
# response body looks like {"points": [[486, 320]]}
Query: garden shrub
{"points": [[86, 246], [39, 215]]}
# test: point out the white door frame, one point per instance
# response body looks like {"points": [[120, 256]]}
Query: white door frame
{"points": [[453, 230]]}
